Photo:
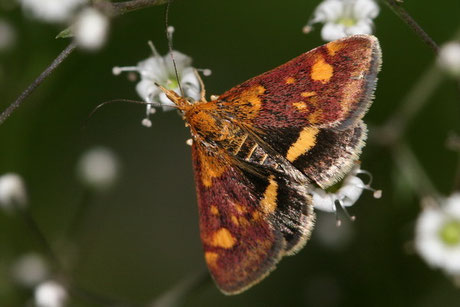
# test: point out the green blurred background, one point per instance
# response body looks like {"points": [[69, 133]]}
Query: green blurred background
{"points": [[141, 238]]}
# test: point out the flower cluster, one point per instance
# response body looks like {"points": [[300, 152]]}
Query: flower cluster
{"points": [[437, 235], [344, 17], [89, 26]]}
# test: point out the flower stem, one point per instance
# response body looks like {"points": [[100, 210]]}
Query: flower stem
{"points": [[121, 8], [412, 103], [402, 13], [177, 295], [45, 74], [410, 167], [35, 229]]}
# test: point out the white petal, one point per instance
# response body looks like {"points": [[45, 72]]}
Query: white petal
{"points": [[323, 201], [191, 84], [12, 191], [7, 35], [51, 10], [429, 222], [29, 270], [431, 249], [452, 206], [366, 9], [182, 61], [165, 102], [50, 294], [91, 29], [449, 58], [154, 69], [351, 190], [362, 27], [189, 76], [452, 261], [98, 168], [147, 90], [332, 31], [328, 11]]}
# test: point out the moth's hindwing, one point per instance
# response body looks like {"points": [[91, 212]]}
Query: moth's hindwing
{"points": [[247, 221]]}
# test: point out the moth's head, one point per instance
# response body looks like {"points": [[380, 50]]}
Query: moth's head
{"points": [[183, 103]]}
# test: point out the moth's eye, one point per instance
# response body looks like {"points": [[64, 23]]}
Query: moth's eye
{"points": [[190, 99]]}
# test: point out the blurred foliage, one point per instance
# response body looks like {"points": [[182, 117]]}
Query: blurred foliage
{"points": [[140, 239]]}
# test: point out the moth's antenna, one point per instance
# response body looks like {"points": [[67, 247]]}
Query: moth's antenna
{"points": [[120, 100], [169, 31]]}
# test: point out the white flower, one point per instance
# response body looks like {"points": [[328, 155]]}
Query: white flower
{"points": [[346, 195], [98, 168], [160, 69], [52, 10], [30, 270], [50, 294], [344, 18], [7, 35], [12, 191], [437, 235], [449, 58], [90, 29]]}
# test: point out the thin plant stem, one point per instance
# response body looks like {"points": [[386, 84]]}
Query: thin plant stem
{"points": [[177, 295], [36, 230], [411, 104], [404, 15], [121, 8], [410, 167], [42, 77], [115, 9]]}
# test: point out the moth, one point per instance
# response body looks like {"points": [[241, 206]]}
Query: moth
{"points": [[261, 147]]}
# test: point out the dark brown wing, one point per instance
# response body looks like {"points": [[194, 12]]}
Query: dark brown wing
{"points": [[247, 221]]}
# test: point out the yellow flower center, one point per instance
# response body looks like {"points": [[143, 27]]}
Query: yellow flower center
{"points": [[172, 84], [450, 233], [346, 21]]}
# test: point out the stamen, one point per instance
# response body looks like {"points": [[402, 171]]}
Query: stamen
{"points": [[307, 29], [205, 71], [118, 70], [154, 50], [170, 30], [377, 193], [338, 204], [147, 123], [360, 171]]}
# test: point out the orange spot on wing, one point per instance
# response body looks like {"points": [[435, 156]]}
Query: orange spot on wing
{"points": [[268, 203], [308, 94], [334, 47], [256, 215], [211, 258], [235, 220], [301, 105], [321, 70], [249, 103], [223, 238], [240, 209], [305, 141], [214, 210], [290, 80], [211, 168]]}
